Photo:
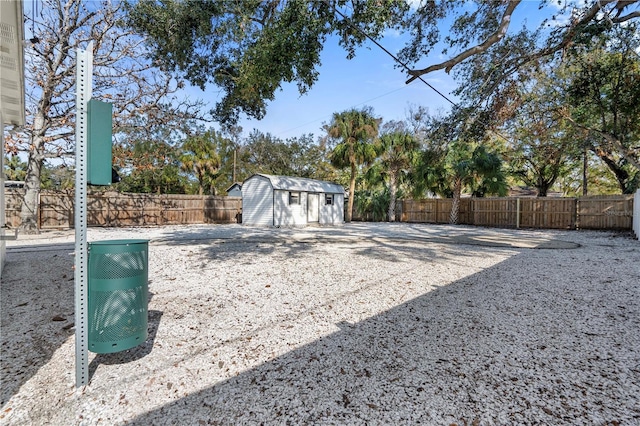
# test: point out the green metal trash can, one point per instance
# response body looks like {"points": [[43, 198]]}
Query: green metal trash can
{"points": [[118, 294]]}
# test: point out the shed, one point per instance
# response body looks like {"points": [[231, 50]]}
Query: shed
{"points": [[235, 190], [270, 200]]}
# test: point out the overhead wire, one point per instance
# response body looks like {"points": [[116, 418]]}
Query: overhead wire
{"points": [[394, 57]]}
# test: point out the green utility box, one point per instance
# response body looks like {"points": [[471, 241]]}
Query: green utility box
{"points": [[118, 296], [99, 143]]}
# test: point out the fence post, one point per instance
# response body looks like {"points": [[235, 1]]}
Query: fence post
{"points": [[518, 213], [472, 213]]}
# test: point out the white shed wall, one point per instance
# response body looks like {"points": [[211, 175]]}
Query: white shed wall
{"points": [[334, 213], [289, 215], [257, 202], [235, 192]]}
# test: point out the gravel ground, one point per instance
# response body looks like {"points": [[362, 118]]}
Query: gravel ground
{"points": [[358, 324]]}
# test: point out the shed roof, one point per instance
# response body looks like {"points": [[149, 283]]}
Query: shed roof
{"points": [[291, 183], [234, 185]]}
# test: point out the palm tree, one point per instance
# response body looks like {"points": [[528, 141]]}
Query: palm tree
{"points": [[398, 151], [200, 157], [356, 130], [474, 168]]}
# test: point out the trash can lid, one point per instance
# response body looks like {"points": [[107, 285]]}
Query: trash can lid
{"points": [[118, 242]]}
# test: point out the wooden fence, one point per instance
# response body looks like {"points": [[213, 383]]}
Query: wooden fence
{"points": [[115, 209], [55, 209], [594, 212]]}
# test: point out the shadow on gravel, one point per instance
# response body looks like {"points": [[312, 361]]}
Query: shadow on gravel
{"points": [[132, 354], [244, 250], [290, 242], [36, 312], [537, 338]]}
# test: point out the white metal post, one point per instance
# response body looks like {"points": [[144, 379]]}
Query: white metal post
{"points": [[84, 71]]}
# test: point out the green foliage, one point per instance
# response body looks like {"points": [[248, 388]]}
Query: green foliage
{"points": [[600, 179], [372, 204], [488, 175], [147, 153], [355, 131], [298, 156], [232, 168], [268, 154], [544, 146], [200, 159], [472, 166], [14, 168], [603, 89], [249, 48], [397, 152], [452, 161], [429, 176], [57, 177], [52, 177], [150, 166]]}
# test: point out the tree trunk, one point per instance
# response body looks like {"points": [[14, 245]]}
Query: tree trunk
{"points": [[235, 154], [622, 176], [29, 207], [352, 190], [392, 196], [455, 204]]}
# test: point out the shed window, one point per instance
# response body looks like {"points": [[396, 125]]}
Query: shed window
{"points": [[328, 199], [294, 198]]}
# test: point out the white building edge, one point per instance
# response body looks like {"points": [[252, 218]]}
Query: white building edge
{"points": [[12, 102]]}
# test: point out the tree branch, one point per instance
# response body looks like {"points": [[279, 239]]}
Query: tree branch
{"points": [[494, 38], [625, 18], [590, 14]]}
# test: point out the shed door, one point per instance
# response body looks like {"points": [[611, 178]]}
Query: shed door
{"points": [[313, 207]]}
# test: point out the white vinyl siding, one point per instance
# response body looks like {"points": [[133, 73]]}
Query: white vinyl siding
{"points": [[286, 214], [332, 214], [257, 202]]}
